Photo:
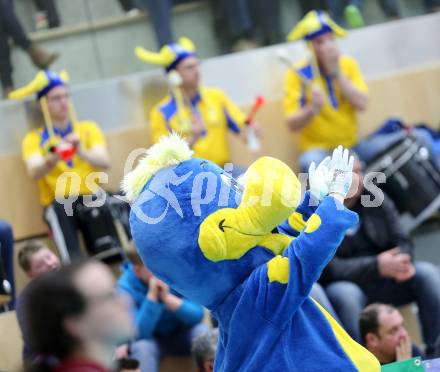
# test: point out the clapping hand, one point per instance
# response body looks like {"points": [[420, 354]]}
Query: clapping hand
{"points": [[318, 178], [340, 173], [333, 176]]}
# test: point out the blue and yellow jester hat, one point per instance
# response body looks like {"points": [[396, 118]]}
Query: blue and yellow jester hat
{"points": [[42, 84], [314, 24], [200, 231], [169, 55]]}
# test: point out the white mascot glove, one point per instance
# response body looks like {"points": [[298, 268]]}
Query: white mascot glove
{"points": [[318, 178], [340, 175]]}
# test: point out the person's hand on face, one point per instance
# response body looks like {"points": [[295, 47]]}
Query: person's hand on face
{"points": [[331, 59], [164, 290], [404, 349], [171, 301], [153, 289]]}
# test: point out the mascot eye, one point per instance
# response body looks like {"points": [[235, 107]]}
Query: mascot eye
{"points": [[232, 183]]}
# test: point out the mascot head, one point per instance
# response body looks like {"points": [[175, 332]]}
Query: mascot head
{"points": [[197, 228]]}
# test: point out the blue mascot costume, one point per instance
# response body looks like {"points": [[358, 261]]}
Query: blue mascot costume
{"points": [[249, 254]]}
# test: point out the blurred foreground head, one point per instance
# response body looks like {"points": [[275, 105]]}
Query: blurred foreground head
{"points": [[75, 312]]}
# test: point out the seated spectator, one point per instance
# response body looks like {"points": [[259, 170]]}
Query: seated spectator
{"points": [[384, 334], [203, 349], [203, 115], [7, 261], [375, 264], [35, 259], [322, 94], [75, 319], [166, 323], [10, 27], [63, 183]]}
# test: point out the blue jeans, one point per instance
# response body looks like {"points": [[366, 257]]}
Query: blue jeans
{"points": [[369, 148], [242, 17], [319, 295], [160, 16], [349, 299], [149, 352], [7, 256]]}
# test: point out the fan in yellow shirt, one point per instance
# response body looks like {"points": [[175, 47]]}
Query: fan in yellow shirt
{"points": [[50, 185], [202, 115], [323, 93], [64, 157]]}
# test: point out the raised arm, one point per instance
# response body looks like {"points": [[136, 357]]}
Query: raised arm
{"points": [[281, 286], [285, 281]]}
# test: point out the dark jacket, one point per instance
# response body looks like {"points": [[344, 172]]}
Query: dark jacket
{"points": [[379, 230], [28, 355]]}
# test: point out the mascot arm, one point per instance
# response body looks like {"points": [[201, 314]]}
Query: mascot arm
{"points": [[298, 219], [281, 285]]}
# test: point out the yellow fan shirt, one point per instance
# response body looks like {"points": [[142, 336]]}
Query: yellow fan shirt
{"points": [[336, 123], [67, 178], [218, 114]]}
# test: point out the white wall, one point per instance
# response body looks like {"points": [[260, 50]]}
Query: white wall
{"points": [[379, 49], [115, 103]]}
